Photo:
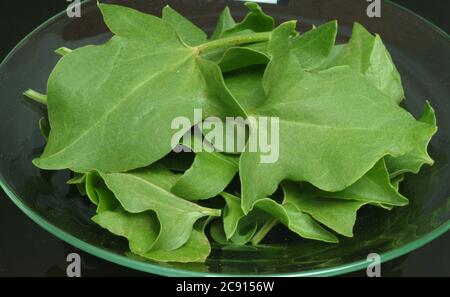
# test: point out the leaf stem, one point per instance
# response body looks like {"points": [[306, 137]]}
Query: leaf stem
{"points": [[36, 96], [259, 236], [233, 40], [62, 51], [213, 212]]}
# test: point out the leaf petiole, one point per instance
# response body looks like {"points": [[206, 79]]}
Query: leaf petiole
{"points": [[233, 41], [36, 96], [259, 236], [62, 51]]}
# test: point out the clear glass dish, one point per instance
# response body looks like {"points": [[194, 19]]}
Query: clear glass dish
{"points": [[419, 49]]}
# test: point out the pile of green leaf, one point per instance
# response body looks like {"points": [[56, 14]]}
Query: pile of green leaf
{"points": [[345, 142]]}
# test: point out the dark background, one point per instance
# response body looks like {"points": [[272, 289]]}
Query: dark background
{"points": [[28, 250]]}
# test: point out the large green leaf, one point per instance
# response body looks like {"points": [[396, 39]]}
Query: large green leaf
{"points": [[105, 101], [149, 189], [334, 126], [367, 54]]}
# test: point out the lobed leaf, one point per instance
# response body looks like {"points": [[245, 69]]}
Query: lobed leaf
{"points": [[331, 132], [149, 189]]}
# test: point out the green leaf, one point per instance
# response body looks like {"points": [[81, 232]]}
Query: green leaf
{"points": [[334, 126], [144, 62], [224, 23], [374, 187], [247, 229], [216, 87], [203, 180], [240, 57], [217, 233], [140, 229], [189, 33], [287, 213], [367, 54], [311, 49], [261, 47], [232, 215], [207, 177], [98, 193], [246, 86], [77, 178], [396, 181], [296, 220], [106, 199], [255, 21], [416, 158], [232, 58], [44, 127], [338, 215], [92, 180], [314, 47], [238, 227], [196, 249], [149, 189]]}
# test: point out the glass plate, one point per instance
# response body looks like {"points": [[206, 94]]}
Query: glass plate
{"points": [[419, 49]]}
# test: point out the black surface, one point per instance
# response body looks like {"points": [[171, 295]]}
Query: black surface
{"points": [[28, 250]]}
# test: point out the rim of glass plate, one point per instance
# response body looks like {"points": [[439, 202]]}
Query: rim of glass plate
{"points": [[155, 268]]}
